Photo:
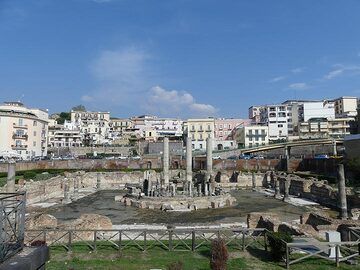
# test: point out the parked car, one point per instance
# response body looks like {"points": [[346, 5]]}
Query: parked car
{"points": [[136, 157], [216, 157], [321, 157], [233, 158], [242, 156]]}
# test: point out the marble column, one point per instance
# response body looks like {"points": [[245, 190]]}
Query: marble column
{"points": [[276, 187], [209, 159], [166, 160], [253, 180], [342, 192], [286, 189], [188, 160], [10, 182]]}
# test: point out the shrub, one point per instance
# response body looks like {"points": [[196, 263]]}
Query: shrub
{"points": [[276, 241], [38, 243], [176, 266], [219, 255], [29, 175]]}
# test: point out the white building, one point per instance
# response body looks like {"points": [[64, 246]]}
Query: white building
{"points": [[252, 136], [93, 126], [345, 106], [320, 109], [23, 131], [63, 135], [276, 118]]}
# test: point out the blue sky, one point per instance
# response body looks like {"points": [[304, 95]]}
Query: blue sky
{"points": [[181, 58]]}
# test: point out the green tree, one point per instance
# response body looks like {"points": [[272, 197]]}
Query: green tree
{"points": [[80, 108]]}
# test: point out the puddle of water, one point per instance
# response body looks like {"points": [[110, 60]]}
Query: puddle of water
{"points": [[103, 203]]}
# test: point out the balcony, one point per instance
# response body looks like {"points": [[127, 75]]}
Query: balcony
{"points": [[19, 147], [20, 126], [20, 136]]}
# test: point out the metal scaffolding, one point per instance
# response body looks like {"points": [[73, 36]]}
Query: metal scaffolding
{"points": [[12, 222]]}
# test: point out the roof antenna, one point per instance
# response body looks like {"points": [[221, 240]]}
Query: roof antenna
{"points": [[22, 96]]}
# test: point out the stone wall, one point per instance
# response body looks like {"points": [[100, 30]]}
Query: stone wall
{"points": [[82, 151]]}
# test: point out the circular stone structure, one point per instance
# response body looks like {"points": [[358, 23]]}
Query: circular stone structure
{"points": [[163, 194], [179, 202]]}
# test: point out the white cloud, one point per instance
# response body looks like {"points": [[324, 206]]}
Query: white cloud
{"points": [[297, 70], [173, 102], [340, 70], [125, 80], [298, 86], [277, 79]]}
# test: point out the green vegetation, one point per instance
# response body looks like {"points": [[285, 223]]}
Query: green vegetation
{"points": [[353, 165], [131, 259], [62, 117], [277, 244]]}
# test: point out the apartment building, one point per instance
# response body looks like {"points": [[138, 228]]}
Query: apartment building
{"points": [[63, 135], [199, 130], [316, 128], [252, 136], [254, 113], [276, 118], [93, 126], [345, 106], [23, 131], [225, 128]]}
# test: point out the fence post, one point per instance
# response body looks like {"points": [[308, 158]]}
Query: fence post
{"points": [[170, 240], [120, 236], [287, 257], [145, 240], [69, 240], [337, 250], [243, 240], [265, 241], [95, 238], [193, 239]]}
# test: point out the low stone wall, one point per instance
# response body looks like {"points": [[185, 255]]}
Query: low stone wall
{"points": [[40, 191]]}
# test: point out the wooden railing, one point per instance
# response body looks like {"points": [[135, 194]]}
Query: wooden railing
{"points": [[168, 239]]}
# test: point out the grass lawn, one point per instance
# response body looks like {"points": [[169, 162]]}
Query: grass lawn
{"points": [[133, 259]]}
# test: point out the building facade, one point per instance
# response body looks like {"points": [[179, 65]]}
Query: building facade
{"points": [[252, 136], [23, 131], [93, 126], [345, 106], [225, 128], [63, 135]]}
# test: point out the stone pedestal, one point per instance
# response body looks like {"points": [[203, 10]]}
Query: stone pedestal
{"points": [[286, 190]]}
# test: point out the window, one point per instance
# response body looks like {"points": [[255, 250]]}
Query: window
{"points": [[209, 128], [34, 133], [192, 127], [256, 132], [280, 125], [34, 123], [201, 128], [201, 136], [201, 146], [21, 122]]}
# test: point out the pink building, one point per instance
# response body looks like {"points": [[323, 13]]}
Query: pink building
{"points": [[225, 127]]}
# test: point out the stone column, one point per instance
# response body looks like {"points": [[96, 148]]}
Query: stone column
{"points": [[166, 158], [66, 193], [334, 148], [199, 190], [209, 159], [190, 188], [287, 154], [253, 179], [206, 190], [268, 179], [98, 181], [10, 183], [342, 192], [188, 159], [286, 189], [76, 187], [277, 187]]}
